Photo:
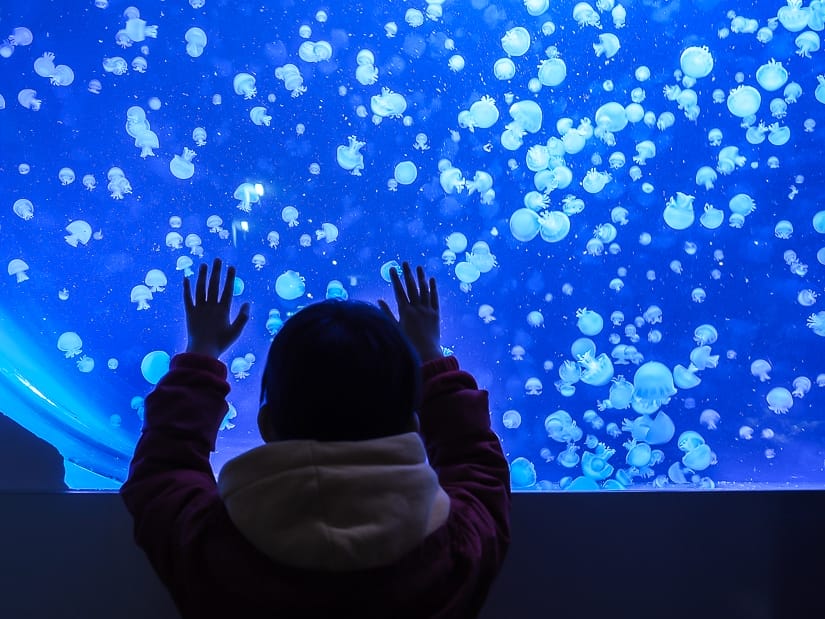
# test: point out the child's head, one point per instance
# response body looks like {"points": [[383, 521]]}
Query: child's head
{"points": [[339, 371]]}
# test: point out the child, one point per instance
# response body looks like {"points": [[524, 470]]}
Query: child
{"points": [[346, 510]]}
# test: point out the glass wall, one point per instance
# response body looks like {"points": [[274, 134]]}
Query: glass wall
{"points": [[620, 202]]}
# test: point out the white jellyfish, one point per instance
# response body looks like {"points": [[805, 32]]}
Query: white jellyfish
{"points": [[349, 156], [244, 84], [18, 268], [141, 295], [181, 166], [195, 42], [79, 232]]}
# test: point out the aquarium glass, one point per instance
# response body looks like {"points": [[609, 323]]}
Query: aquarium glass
{"points": [[621, 202]]}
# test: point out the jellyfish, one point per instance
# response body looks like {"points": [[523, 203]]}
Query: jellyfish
{"points": [[696, 62], [70, 343], [779, 400], [115, 65], [700, 358], [653, 387], [685, 378], [451, 180], [744, 101], [820, 89], [554, 226], [699, 458], [569, 458], [244, 84], [184, 263], [595, 181], [28, 99], [511, 419], [760, 368], [328, 232], [522, 473], [79, 232], [783, 229], [678, 213], [524, 224], [484, 112], [336, 290], [608, 45], [141, 295], [181, 166], [595, 465], [146, 141], [350, 158], [290, 285], [705, 177], [366, 74], [778, 136], [589, 322], [741, 204], [533, 386], [794, 17], [644, 151], [609, 118], [199, 136], [259, 116], [504, 69], [552, 71], [405, 172], [595, 371], [195, 42], [23, 208], [586, 15], [240, 366], [516, 41], [388, 104], [247, 196], [621, 393], [154, 366], [62, 75], [816, 322], [156, 280]]}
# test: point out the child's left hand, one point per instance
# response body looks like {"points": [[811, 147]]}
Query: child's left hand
{"points": [[207, 317]]}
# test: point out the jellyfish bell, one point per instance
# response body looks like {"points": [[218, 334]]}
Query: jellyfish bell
{"points": [[696, 62], [596, 371], [653, 386], [744, 101]]}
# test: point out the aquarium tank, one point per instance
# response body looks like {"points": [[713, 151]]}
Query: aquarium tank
{"points": [[621, 201]]}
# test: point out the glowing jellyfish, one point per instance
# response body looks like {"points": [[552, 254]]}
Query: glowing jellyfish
{"points": [[484, 113], [467, 272], [596, 371], [586, 15], [181, 166], [115, 65], [744, 101], [816, 322], [741, 204], [244, 84], [653, 387], [685, 378], [388, 104], [156, 280], [328, 232], [801, 386], [779, 400], [589, 322], [349, 156], [552, 71], [569, 458], [79, 232], [778, 135], [806, 43], [504, 69], [783, 229], [524, 224], [516, 41], [705, 177], [645, 150], [522, 473], [609, 118], [594, 181], [70, 344], [141, 295], [620, 395], [195, 42], [794, 17], [696, 62], [290, 285], [293, 81], [28, 99], [154, 366], [678, 213], [760, 368], [146, 141], [23, 208], [259, 116], [511, 419], [608, 45], [554, 226]]}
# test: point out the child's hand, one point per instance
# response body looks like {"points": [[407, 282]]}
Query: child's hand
{"points": [[207, 318], [418, 314]]}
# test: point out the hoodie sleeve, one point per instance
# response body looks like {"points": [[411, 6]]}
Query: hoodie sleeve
{"points": [[467, 455], [171, 483]]}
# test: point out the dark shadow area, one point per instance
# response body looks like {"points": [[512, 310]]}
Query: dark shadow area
{"points": [[27, 463]]}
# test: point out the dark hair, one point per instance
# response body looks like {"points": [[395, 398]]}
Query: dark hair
{"points": [[340, 371]]}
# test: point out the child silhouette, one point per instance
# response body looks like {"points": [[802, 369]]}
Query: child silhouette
{"points": [[380, 490]]}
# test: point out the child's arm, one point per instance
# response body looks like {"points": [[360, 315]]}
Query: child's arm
{"points": [[171, 483], [455, 425]]}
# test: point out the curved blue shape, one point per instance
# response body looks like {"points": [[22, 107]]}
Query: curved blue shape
{"points": [[37, 395]]}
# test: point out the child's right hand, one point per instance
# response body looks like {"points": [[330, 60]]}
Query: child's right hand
{"points": [[418, 313]]}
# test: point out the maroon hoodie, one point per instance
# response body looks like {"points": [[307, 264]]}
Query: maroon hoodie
{"points": [[408, 526]]}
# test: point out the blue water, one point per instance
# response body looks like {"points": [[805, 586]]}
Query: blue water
{"points": [[86, 400]]}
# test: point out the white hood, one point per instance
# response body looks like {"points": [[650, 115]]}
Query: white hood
{"points": [[335, 505]]}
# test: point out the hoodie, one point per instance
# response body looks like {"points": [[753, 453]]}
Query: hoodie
{"points": [[413, 525]]}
